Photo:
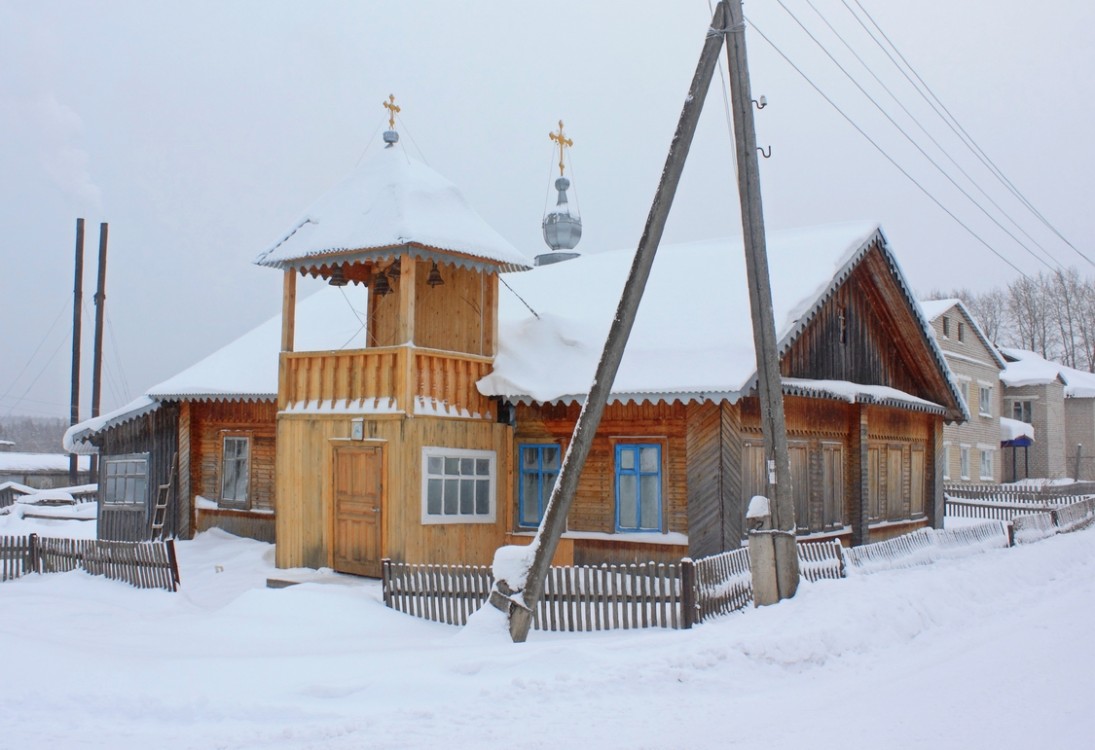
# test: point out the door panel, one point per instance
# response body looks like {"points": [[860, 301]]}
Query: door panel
{"points": [[358, 510]]}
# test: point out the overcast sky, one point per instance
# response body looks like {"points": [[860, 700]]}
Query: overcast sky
{"points": [[201, 130]]}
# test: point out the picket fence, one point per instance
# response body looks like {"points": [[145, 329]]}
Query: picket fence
{"points": [[1037, 526], [141, 564], [605, 597]]}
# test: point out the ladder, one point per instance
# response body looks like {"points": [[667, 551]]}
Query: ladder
{"points": [[163, 496]]}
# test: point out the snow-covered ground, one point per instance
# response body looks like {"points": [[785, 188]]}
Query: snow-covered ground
{"points": [[993, 650]]}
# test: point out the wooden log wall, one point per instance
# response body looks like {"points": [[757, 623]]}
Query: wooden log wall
{"points": [[155, 433], [594, 504], [210, 423]]}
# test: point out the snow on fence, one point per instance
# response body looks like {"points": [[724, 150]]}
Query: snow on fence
{"points": [[925, 546], [582, 598], [141, 564], [1074, 516], [821, 560], [1032, 528], [605, 597], [993, 509], [723, 583]]}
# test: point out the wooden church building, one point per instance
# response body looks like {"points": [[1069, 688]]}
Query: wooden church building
{"points": [[440, 438]]}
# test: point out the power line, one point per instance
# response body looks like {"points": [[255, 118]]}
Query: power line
{"points": [[923, 129], [882, 151], [33, 354], [953, 122], [909, 138]]}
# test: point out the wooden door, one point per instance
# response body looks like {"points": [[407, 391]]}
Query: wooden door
{"points": [[358, 510]]}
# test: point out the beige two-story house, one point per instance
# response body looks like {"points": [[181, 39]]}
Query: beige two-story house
{"points": [[971, 450]]}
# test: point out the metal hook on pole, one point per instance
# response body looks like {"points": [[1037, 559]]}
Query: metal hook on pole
{"points": [[767, 155], [762, 102]]}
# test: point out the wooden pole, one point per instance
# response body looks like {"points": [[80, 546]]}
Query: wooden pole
{"points": [[97, 366], [77, 305], [555, 515], [769, 385]]}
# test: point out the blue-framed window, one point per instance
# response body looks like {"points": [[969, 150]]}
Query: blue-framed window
{"points": [[638, 487], [539, 468]]}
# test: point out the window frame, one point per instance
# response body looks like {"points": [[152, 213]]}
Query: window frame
{"points": [[964, 462], [491, 477], [986, 454], [946, 461], [637, 444], [125, 458], [247, 439], [1023, 405], [985, 401], [543, 492]]}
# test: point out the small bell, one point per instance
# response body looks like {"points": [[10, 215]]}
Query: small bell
{"points": [[338, 278], [434, 276], [381, 286]]}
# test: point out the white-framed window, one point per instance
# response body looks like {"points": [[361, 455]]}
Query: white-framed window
{"points": [[235, 469], [964, 461], [964, 388], [946, 460], [946, 327], [458, 485], [986, 401], [961, 331], [986, 464]]}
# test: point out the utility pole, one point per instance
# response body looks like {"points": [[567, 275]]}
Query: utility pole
{"points": [[97, 366], [519, 604], [775, 547], [77, 304]]}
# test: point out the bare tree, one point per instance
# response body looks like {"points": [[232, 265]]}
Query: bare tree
{"points": [[1027, 308], [990, 310]]}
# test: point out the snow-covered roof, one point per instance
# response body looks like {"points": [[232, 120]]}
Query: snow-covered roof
{"points": [[1014, 429], [1029, 368], [20, 463], [245, 369], [392, 201], [933, 308], [692, 338]]}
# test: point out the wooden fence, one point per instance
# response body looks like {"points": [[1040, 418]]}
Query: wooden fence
{"points": [[723, 583], [918, 547], [1017, 493], [575, 598], [605, 597], [16, 557], [142, 564]]}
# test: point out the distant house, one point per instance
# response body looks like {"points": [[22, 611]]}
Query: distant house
{"points": [[971, 450], [207, 433], [1059, 402], [440, 440], [40, 471]]}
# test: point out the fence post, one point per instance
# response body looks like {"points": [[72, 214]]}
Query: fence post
{"points": [[174, 563], [386, 580], [688, 593], [34, 558]]}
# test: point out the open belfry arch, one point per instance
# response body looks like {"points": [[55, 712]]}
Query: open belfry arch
{"points": [[389, 450]]}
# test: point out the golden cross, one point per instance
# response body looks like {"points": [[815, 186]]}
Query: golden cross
{"points": [[392, 108], [563, 142]]}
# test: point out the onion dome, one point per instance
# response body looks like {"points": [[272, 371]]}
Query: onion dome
{"points": [[562, 228]]}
